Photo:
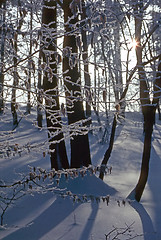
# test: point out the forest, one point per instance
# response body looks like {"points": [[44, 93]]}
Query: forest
{"points": [[80, 88]]}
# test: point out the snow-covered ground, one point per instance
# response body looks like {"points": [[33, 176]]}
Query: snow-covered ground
{"points": [[46, 215]]}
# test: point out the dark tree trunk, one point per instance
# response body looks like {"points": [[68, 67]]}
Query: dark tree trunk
{"points": [[15, 57], [15, 83], [28, 107], [39, 93], [148, 109], [109, 150], [56, 139], [157, 87], [2, 9], [159, 113], [80, 152], [149, 120]]}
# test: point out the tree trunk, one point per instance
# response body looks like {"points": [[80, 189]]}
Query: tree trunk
{"points": [[85, 61], [56, 139], [149, 120], [157, 87], [109, 150], [15, 83], [80, 152], [28, 108], [39, 97], [148, 109], [118, 88], [15, 57], [144, 91], [2, 9]]}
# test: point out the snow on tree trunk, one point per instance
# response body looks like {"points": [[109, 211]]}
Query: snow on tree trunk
{"points": [[2, 40], [80, 152], [57, 147]]}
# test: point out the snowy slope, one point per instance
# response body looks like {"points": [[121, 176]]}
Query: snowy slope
{"points": [[49, 216]]}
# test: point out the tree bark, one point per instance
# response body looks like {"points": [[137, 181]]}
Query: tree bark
{"points": [[15, 83], [80, 151], [148, 109], [144, 91], [39, 92], [28, 107], [109, 150], [149, 120], [157, 87], [15, 57], [58, 155], [2, 9]]}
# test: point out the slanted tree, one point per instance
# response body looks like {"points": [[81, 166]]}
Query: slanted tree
{"points": [[57, 147], [110, 148], [80, 151]]}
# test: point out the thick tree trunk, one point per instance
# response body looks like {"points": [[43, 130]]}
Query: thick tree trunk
{"points": [[148, 109], [149, 120], [80, 152], [144, 91], [56, 139]]}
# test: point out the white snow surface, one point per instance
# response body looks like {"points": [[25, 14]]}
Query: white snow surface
{"points": [[48, 216]]}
